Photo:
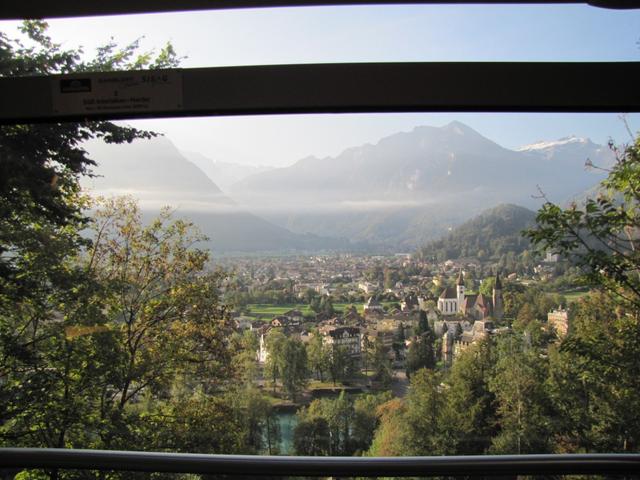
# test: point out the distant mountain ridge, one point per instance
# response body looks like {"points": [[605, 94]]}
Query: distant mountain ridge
{"points": [[396, 194], [157, 174], [412, 186], [224, 174], [492, 233]]}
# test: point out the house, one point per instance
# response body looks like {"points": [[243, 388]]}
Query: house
{"points": [[453, 345], [288, 323], [559, 320], [294, 315], [348, 337], [368, 287]]}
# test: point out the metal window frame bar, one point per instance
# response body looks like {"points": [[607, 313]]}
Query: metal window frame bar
{"points": [[78, 8], [34, 458], [362, 88]]}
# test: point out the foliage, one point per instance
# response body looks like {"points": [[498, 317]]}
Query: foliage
{"points": [[318, 355], [601, 237], [287, 361], [337, 426], [381, 364], [421, 352], [469, 412], [593, 378], [489, 235], [522, 404], [145, 318], [42, 163]]}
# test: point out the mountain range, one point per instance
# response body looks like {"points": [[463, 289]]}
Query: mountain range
{"points": [[412, 186], [394, 195], [157, 174]]}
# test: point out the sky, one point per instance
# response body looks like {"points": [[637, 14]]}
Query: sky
{"points": [[368, 34]]}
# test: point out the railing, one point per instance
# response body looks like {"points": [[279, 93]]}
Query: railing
{"points": [[68, 8], [486, 465]]}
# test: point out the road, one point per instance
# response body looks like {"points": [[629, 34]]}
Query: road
{"points": [[400, 383]]}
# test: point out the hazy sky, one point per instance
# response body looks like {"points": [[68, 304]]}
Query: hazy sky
{"points": [[368, 34]]}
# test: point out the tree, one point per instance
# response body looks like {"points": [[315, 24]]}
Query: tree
{"points": [[486, 287], [423, 323], [311, 437], [42, 163], [391, 437], [258, 419], [318, 355], [275, 347], [423, 414], [598, 361], [593, 384], [601, 237], [147, 315], [366, 420], [523, 406], [164, 310], [246, 346], [421, 353], [381, 364], [46, 323], [293, 367], [468, 415], [341, 365]]}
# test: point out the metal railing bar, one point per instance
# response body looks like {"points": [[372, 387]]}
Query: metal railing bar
{"points": [[79, 8], [341, 88], [34, 458]]}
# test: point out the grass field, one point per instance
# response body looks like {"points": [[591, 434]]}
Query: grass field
{"points": [[267, 309], [574, 295]]}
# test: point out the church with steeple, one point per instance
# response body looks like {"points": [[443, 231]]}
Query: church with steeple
{"points": [[455, 301]]}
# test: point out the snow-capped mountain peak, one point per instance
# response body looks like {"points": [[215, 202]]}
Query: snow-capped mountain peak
{"points": [[545, 145]]}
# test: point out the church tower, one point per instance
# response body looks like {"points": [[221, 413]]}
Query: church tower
{"points": [[460, 291], [498, 308]]}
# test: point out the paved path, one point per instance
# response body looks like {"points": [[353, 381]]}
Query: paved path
{"points": [[400, 383]]}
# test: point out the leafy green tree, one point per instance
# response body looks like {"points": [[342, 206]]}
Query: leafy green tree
{"points": [[366, 420], [275, 348], [598, 361], [318, 355], [422, 418], [486, 287], [293, 367], [601, 238], [391, 437], [147, 315], [400, 336], [593, 381], [245, 362], [340, 364], [200, 423], [42, 163], [311, 437], [259, 423], [421, 353], [381, 364], [468, 415], [164, 310], [423, 323], [522, 404]]}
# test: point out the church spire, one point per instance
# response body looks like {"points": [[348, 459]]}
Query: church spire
{"points": [[460, 280]]}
